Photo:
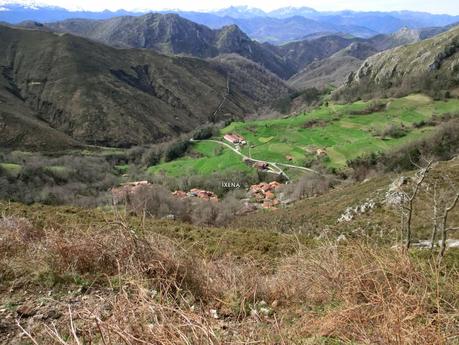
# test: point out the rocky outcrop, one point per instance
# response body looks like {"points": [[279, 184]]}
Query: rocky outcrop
{"points": [[352, 212], [431, 65]]}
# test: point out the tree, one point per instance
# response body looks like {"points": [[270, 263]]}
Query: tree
{"points": [[445, 197], [408, 199], [450, 199]]}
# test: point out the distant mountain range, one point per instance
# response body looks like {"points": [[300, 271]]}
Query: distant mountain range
{"points": [[279, 26], [173, 35]]}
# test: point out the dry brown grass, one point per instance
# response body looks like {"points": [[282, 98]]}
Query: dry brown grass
{"points": [[145, 289], [16, 234], [384, 297]]}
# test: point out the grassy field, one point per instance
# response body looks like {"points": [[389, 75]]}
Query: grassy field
{"points": [[11, 169], [208, 158], [335, 128]]}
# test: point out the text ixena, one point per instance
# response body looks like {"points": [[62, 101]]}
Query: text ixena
{"points": [[231, 185]]}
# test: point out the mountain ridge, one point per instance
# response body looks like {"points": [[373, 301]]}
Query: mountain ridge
{"points": [[431, 65], [362, 24], [97, 94], [172, 34]]}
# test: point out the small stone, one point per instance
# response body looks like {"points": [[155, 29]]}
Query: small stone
{"points": [[452, 243], [262, 304], [213, 313], [341, 238], [265, 311], [25, 311], [52, 314]]}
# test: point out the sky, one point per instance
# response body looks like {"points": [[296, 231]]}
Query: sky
{"points": [[432, 6]]}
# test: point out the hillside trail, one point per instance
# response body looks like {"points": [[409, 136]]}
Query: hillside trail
{"points": [[275, 165]]}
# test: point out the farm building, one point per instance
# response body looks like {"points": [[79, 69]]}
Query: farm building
{"points": [[235, 139], [196, 193]]}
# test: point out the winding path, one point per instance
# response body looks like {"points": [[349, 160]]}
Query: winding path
{"points": [[273, 164]]}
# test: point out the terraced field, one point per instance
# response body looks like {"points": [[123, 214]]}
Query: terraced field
{"points": [[344, 131]]}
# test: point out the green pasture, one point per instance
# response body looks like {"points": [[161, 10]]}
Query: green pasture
{"points": [[335, 128]]}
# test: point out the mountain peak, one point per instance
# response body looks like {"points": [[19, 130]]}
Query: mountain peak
{"points": [[291, 11], [240, 12], [232, 28]]}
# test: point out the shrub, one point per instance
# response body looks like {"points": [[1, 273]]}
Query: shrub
{"points": [[176, 150], [442, 145], [308, 186], [83, 181], [205, 133], [135, 154], [392, 131], [373, 107], [151, 157]]}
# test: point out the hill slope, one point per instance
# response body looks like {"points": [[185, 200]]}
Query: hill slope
{"points": [[302, 53], [335, 69], [332, 70], [429, 65], [405, 36], [343, 133], [100, 95], [172, 34]]}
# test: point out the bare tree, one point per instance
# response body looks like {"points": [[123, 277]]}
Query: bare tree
{"points": [[445, 229], [409, 199], [445, 199], [434, 217]]}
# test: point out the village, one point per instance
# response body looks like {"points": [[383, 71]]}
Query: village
{"points": [[239, 142], [264, 195]]}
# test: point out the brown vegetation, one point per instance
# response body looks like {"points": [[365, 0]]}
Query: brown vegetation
{"points": [[133, 286]]}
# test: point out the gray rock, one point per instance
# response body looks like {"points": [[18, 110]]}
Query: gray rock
{"points": [[341, 238], [395, 194]]}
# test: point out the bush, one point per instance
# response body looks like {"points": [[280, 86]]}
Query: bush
{"points": [[158, 202], [176, 149], [83, 181], [310, 97], [308, 186], [373, 107], [392, 131], [205, 133], [151, 157], [135, 154], [442, 145]]}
